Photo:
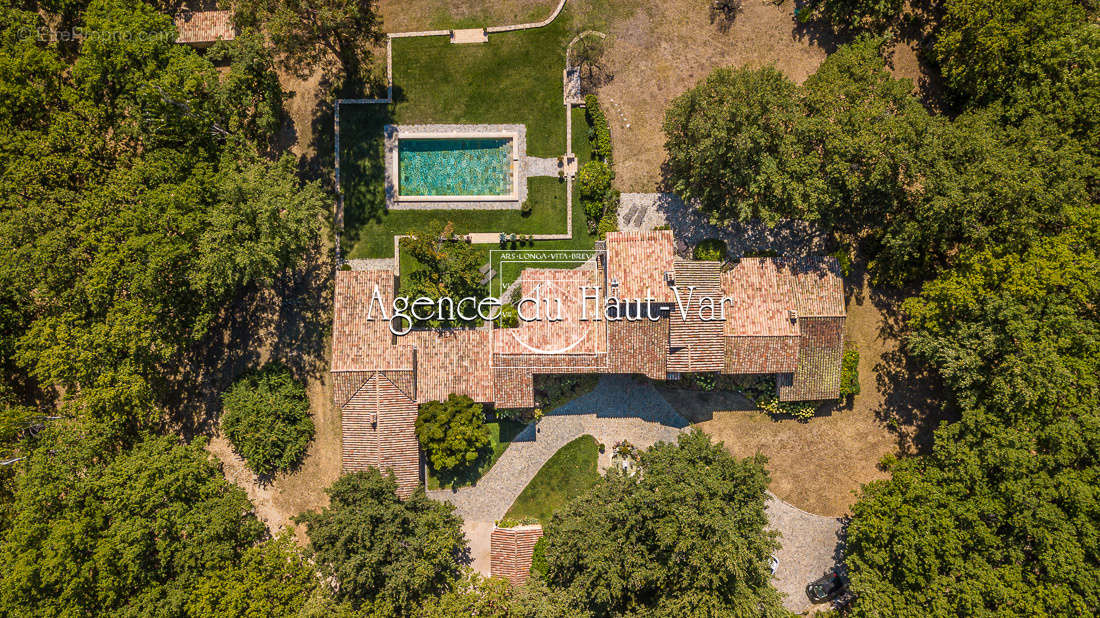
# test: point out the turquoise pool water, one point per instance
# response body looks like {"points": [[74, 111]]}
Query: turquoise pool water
{"points": [[440, 166]]}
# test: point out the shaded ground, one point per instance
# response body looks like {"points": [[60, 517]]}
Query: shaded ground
{"points": [[820, 465], [288, 323]]}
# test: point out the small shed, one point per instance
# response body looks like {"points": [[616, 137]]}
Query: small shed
{"points": [[204, 28]]}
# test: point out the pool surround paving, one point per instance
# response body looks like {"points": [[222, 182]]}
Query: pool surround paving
{"points": [[517, 133]]}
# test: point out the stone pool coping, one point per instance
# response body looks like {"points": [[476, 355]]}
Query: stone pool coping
{"points": [[514, 201]]}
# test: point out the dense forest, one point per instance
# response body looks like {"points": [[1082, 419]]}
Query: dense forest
{"points": [[989, 212], [144, 191]]}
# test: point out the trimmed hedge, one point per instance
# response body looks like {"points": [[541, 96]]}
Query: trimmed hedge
{"points": [[601, 140], [849, 373]]}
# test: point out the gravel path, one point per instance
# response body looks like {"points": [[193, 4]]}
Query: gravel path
{"points": [[542, 166], [809, 548], [621, 407]]}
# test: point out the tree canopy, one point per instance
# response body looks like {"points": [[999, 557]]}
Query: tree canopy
{"points": [[452, 433], [266, 418], [854, 150], [309, 32], [126, 245], [684, 536], [137, 531], [446, 266], [388, 555]]}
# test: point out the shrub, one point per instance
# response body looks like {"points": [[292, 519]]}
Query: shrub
{"points": [[511, 522], [509, 316], [601, 145], [849, 373], [710, 250], [525, 208], [844, 258], [608, 223], [703, 381], [800, 410], [594, 180], [452, 433], [266, 418], [538, 559]]}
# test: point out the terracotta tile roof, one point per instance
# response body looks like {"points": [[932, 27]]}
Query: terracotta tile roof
{"points": [[639, 347], [761, 354], [816, 285], [761, 300], [359, 343], [558, 295], [452, 361], [821, 351], [511, 551], [639, 261], [379, 430], [205, 27], [696, 344]]}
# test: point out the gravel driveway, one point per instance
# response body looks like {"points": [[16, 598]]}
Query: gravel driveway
{"points": [[625, 408]]}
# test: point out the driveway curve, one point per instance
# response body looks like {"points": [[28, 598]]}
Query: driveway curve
{"points": [[628, 408]]}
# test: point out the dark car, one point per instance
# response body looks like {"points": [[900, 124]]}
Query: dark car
{"points": [[828, 586]]}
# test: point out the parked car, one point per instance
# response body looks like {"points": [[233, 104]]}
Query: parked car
{"points": [[828, 586]]}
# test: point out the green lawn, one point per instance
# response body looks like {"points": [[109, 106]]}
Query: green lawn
{"points": [[567, 474], [501, 434], [513, 79], [581, 240]]}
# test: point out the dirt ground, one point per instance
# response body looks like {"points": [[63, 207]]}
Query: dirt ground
{"points": [[288, 494], [665, 48], [819, 466]]}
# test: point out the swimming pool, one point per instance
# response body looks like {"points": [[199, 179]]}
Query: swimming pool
{"points": [[431, 167]]}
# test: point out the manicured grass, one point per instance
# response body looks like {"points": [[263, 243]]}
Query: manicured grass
{"points": [[547, 196], [515, 78], [568, 473], [501, 434]]}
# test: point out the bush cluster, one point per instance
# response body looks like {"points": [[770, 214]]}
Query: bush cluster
{"points": [[452, 433], [266, 418], [601, 202], [800, 410], [710, 250], [600, 132], [849, 373]]}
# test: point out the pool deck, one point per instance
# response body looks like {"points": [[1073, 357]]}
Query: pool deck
{"points": [[517, 132]]}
